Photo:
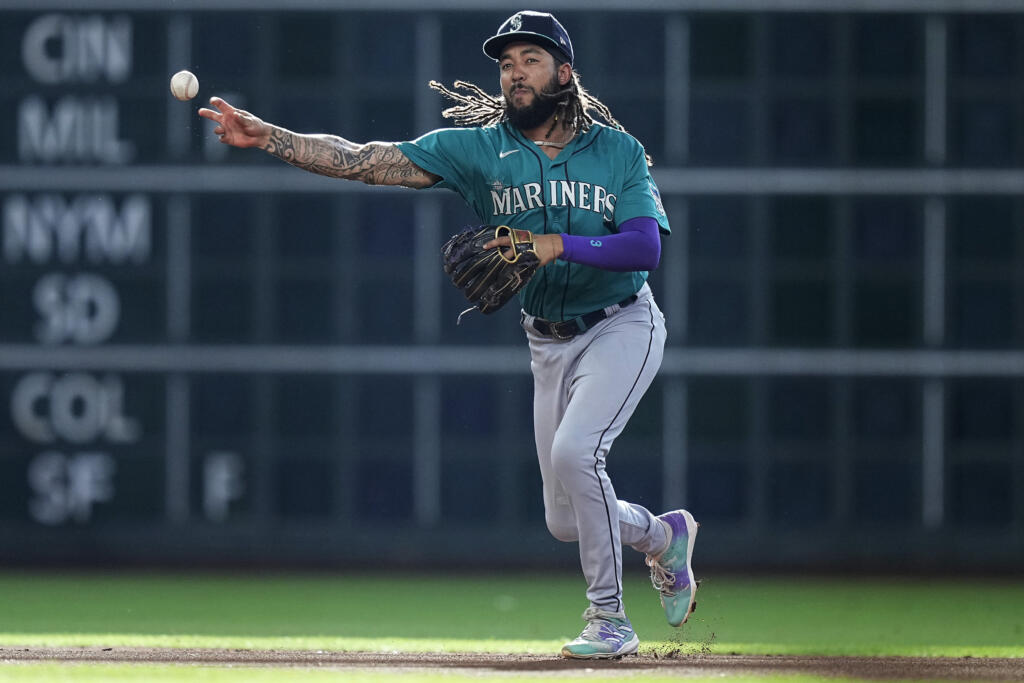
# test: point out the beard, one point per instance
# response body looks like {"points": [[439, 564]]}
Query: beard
{"points": [[544, 104]]}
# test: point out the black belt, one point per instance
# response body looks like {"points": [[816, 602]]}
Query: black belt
{"points": [[567, 329]]}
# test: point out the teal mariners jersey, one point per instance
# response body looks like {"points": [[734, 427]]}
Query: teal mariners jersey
{"points": [[596, 183]]}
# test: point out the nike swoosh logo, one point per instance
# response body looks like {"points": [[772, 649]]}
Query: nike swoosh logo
{"points": [[502, 155]]}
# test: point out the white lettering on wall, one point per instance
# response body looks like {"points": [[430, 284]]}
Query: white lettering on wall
{"points": [[223, 483], [66, 487], [75, 129], [76, 407], [81, 309], [89, 228], [61, 48]]}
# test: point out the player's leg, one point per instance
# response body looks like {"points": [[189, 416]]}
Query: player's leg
{"points": [[548, 364], [639, 528], [551, 363], [607, 634], [613, 371], [615, 367]]}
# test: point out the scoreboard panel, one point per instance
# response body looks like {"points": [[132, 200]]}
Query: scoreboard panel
{"points": [[208, 354], [146, 242], [82, 268]]}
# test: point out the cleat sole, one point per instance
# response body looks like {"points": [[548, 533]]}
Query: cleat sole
{"points": [[600, 655]]}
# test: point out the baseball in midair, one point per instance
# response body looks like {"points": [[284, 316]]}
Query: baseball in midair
{"points": [[184, 85]]}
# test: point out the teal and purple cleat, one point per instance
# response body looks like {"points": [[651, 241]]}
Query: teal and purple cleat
{"points": [[671, 571], [607, 635]]}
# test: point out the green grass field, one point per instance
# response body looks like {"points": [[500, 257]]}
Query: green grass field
{"points": [[522, 613]]}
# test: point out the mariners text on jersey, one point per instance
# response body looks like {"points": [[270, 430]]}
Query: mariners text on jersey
{"points": [[563, 193]]}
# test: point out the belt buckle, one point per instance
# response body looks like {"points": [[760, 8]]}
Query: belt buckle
{"points": [[557, 334]]}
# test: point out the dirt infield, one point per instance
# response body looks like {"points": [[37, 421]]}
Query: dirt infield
{"points": [[888, 668]]}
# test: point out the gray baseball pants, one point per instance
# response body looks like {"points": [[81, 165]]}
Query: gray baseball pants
{"points": [[585, 390]]}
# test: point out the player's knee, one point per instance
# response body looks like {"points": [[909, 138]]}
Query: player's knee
{"points": [[568, 463], [562, 529]]}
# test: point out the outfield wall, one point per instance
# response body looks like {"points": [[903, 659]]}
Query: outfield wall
{"points": [[209, 356]]}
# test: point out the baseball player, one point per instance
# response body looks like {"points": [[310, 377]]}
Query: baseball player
{"points": [[534, 158]]}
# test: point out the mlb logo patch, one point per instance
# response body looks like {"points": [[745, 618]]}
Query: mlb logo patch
{"points": [[657, 197]]}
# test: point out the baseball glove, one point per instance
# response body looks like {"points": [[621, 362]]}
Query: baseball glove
{"points": [[487, 277]]}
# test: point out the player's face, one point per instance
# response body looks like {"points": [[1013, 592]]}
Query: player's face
{"points": [[531, 82], [526, 70]]}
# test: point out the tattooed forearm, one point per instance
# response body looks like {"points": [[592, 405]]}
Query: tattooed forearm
{"points": [[374, 163]]}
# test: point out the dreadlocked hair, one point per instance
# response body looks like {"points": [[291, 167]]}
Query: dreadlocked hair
{"points": [[477, 108]]}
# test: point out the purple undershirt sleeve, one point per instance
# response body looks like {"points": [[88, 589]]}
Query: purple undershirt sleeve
{"points": [[637, 246]]}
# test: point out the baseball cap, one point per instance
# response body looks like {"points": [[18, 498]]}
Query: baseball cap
{"points": [[531, 27]]}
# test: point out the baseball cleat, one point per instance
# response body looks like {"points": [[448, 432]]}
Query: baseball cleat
{"points": [[671, 571], [608, 635]]}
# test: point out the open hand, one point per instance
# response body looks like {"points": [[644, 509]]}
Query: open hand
{"points": [[236, 127]]}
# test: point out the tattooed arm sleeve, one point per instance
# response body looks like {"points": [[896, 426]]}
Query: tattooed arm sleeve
{"points": [[374, 163]]}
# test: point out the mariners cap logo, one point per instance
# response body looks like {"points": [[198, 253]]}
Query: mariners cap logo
{"points": [[540, 28]]}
